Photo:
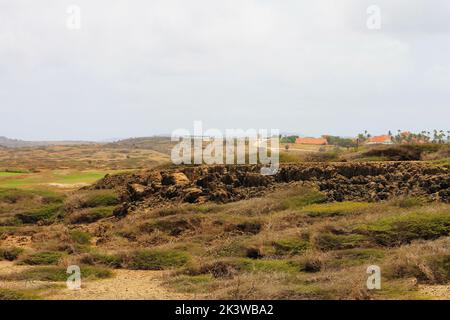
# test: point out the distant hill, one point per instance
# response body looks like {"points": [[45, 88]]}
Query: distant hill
{"points": [[160, 144], [15, 143]]}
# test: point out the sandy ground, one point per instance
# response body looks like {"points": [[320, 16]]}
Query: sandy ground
{"points": [[125, 285], [439, 292]]}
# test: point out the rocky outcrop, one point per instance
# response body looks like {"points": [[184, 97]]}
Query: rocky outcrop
{"points": [[370, 181]]}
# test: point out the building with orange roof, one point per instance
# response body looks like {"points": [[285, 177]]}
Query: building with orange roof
{"points": [[384, 139]]}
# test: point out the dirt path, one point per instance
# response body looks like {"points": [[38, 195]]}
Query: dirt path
{"points": [[127, 284]]}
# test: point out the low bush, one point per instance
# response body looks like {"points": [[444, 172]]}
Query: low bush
{"points": [[10, 254], [290, 246], [100, 198], [107, 260], [42, 258], [330, 241], [402, 229], [264, 265], [302, 200], [46, 213], [7, 294], [80, 237], [155, 259], [90, 215], [335, 209], [408, 202], [54, 273]]}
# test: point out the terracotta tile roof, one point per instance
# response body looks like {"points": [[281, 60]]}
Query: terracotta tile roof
{"points": [[316, 141], [379, 139]]}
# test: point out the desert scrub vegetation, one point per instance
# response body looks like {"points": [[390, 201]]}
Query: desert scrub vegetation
{"points": [[7, 294], [402, 229], [91, 199], [309, 197], [155, 259], [90, 206], [292, 246], [16, 196], [336, 209], [426, 261], [102, 259], [10, 254], [90, 215], [45, 214], [330, 241], [56, 274], [80, 237], [408, 202], [42, 258]]}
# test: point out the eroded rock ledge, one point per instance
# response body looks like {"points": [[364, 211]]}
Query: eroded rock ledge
{"points": [[369, 181]]}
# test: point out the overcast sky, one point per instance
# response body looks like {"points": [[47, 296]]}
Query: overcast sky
{"points": [[138, 68]]}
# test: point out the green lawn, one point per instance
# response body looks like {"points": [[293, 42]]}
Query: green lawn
{"points": [[47, 178], [9, 174]]}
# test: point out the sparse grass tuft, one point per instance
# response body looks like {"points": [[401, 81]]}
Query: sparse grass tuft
{"points": [[107, 260], [266, 265], [156, 259], [7, 294], [100, 198], [329, 241], [90, 215], [408, 202], [46, 213], [54, 273], [335, 209], [402, 229], [10, 254], [290, 246], [42, 258], [80, 237], [300, 201]]}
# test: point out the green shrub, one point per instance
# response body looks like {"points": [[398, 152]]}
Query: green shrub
{"points": [[45, 213], [107, 260], [80, 237], [91, 215], [100, 198], [329, 241], [402, 229], [290, 246], [335, 209], [432, 269], [54, 273], [156, 259], [265, 265], [13, 196], [42, 258], [300, 201], [357, 256], [7, 294], [10, 254], [408, 202], [189, 284]]}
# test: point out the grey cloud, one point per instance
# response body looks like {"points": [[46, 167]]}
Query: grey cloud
{"points": [[147, 67]]}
